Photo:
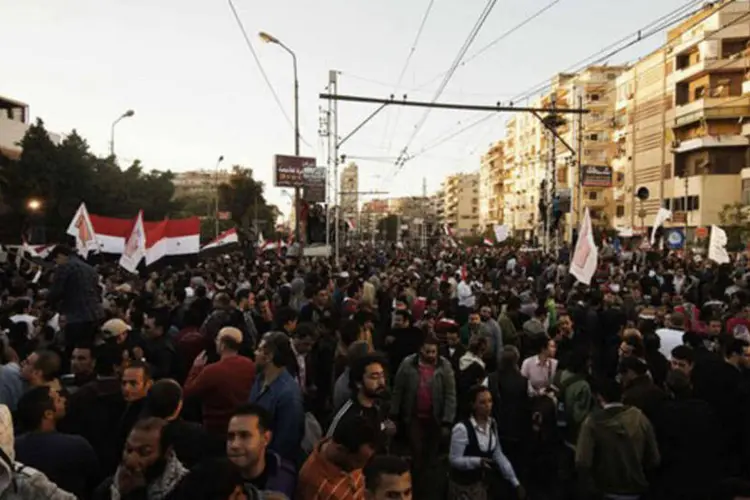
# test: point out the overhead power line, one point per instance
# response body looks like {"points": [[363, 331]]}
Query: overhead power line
{"points": [[449, 74], [663, 23], [497, 40], [406, 66], [262, 71], [651, 29]]}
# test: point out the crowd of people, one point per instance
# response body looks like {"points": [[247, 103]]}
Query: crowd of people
{"points": [[394, 373]]}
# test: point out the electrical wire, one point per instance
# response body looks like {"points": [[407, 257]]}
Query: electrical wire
{"points": [[262, 71], [497, 40], [663, 23], [655, 27], [454, 66], [409, 56]]}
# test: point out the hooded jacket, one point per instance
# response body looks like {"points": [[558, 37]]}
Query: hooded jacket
{"points": [[616, 445], [18, 482]]}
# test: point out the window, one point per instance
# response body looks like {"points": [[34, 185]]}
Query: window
{"points": [[620, 211], [593, 97], [699, 92], [593, 137], [593, 195], [693, 203], [667, 203]]}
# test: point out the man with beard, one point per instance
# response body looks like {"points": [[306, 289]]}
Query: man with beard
{"points": [[149, 468], [403, 339], [248, 437], [368, 385], [491, 330]]}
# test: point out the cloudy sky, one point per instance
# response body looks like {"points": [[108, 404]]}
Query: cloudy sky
{"points": [[197, 92]]}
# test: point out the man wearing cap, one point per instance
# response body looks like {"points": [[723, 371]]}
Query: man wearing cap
{"points": [[224, 385]]}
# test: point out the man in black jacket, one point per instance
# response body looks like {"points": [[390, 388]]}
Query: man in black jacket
{"points": [[76, 293], [453, 349]]}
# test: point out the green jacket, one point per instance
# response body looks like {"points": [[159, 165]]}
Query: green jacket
{"points": [[510, 335], [616, 445], [404, 399], [575, 393]]}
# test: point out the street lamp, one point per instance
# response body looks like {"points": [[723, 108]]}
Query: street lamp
{"points": [[34, 204], [272, 39], [126, 114], [216, 198]]}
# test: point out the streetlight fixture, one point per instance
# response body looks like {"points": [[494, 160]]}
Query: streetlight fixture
{"points": [[272, 39], [127, 114], [216, 198], [34, 204]]}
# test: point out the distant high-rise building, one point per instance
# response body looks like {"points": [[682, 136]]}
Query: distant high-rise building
{"points": [[491, 178], [461, 195], [350, 191]]}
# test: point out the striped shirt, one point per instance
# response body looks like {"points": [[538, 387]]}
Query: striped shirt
{"points": [[320, 479]]}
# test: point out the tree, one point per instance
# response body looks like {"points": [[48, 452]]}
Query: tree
{"points": [[243, 197], [735, 220], [62, 176]]}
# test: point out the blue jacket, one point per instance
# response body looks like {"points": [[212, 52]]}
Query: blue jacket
{"points": [[283, 399], [11, 385]]}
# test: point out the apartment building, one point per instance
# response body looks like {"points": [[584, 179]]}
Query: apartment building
{"points": [[461, 203], [372, 212], [437, 207], [528, 151], [491, 178], [680, 114], [14, 122], [199, 183], [349, 190]]}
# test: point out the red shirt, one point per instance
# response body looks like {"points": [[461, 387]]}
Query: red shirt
{"points": [[424, 391], [222, 387], [738, 327]]}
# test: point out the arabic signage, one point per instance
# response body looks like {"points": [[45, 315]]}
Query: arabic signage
{"points": [[597, 176], [314, 179], [289, 171]]}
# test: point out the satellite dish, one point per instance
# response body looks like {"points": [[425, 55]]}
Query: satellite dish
{"points": [[642, 193]]}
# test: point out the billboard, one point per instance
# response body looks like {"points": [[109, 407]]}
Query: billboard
{"points": [[314, 179], [596, 176], [289, 171]]}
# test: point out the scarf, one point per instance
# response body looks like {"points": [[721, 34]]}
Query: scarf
{"points": [[162, 485]]}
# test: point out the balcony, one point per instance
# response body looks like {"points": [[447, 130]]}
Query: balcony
{"points": [[706, 66], [712, 108], [710, 141]]}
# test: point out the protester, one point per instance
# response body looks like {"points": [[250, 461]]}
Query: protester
{"points": [[248, 437], [278, 392], [334, 470], [474, 448], [67, 460], [387, 478], [221, 386], [149, 465]]}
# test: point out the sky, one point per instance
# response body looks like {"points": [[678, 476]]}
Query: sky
{"points": [[183, 66]]}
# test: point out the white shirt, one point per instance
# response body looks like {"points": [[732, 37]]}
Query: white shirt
{"points": [[28, 319], [487, 439], [465, 295]]}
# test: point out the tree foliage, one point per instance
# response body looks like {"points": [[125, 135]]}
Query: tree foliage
{"points": [[62, 176], [243, 196]]}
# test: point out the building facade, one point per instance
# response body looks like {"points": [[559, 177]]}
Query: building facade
{"points": [[491, 186], [372, 212], [680, 122], [349, 192], [199, 183], [14, 122], [461, 203], [528, 151]]}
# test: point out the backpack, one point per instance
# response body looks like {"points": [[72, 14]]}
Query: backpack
{"points": [[560, 388]]}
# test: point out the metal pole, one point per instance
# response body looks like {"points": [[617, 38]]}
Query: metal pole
{"points": [[552, 183], [687, 212], [216, 196], [336, 199], [331, 158], [297, 196], [579, 184], [112, 138]]}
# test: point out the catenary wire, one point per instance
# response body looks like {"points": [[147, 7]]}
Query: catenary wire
{"points": [[262, 71]]}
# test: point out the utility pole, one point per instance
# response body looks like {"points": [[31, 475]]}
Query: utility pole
{"points": [[333, 82], [424, 213], [579, 185], [331, 157], [552, 183]]}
